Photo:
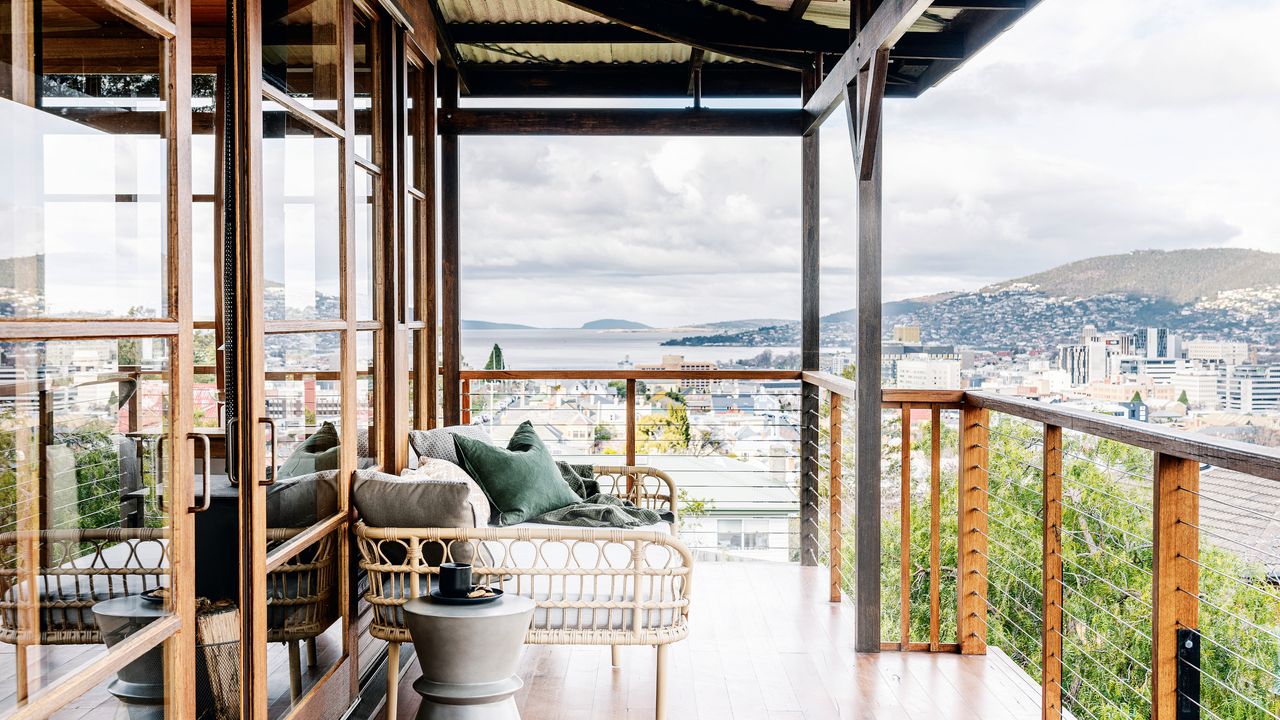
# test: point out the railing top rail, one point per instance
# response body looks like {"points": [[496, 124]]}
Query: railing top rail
{"points": [[559, 374], [1242, 457]]}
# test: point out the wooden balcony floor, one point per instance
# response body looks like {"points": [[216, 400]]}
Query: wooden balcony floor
{"points": [[765, 644]]}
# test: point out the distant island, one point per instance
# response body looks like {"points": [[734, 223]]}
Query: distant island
{"points": [[486, 325], [614, 324]]}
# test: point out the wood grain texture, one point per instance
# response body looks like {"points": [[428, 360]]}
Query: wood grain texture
{"points": [[904, 534], [623, 122], [1051, 577], [1242, 457], [971, 543], [766, 645], [451, 319], [935, 528], [1175, 573], [835, 497]]}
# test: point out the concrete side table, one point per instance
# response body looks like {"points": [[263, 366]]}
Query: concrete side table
{"points": [[468, 656], [140, 684]]}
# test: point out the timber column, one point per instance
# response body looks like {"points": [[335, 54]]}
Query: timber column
{"points": [[809, 332]]}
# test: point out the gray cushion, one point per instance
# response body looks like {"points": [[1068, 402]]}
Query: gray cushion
{"points": [[436, 469], [439, 444], [388, 501], [302, 501]]}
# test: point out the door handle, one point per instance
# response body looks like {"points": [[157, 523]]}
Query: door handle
{"points": [[204, 481], [271, 424]]}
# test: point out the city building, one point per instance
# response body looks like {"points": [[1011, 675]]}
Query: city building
{"points": [[678, 363], [1221, 352], [1250, 388]]}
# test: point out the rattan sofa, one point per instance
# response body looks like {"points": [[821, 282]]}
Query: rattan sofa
{"points": [[591, 586]]}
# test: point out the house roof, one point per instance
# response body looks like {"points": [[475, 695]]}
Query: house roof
{"points": [[1242, 516], [743, 48]]}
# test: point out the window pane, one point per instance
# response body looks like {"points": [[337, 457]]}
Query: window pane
{"points": [[83, 180], [300, 51], [303, 394], [81, 464], [366, 399], [366, 205], [411, 339], [413, 129], [300, 168], [412, 208], [365, 60]]}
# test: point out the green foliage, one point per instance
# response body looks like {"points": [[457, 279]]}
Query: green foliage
{"points": [[495, 361], [602, 433], [666, 432]]}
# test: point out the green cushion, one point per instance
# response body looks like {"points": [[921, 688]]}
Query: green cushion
{"points": [[318, 452], [522, 482]]}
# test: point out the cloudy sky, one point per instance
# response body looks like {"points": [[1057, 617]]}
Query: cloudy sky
{"points": [[1067, 138]]}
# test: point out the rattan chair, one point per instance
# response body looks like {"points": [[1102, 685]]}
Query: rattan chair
{"points": [[591, 586], [301, 603], [52, 603]]}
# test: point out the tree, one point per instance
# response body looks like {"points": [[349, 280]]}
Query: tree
{"points": [[1137, 397], [495, 361], [1182, 398]]}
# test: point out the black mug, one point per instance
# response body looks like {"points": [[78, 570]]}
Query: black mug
{"points": [[455, 579]]}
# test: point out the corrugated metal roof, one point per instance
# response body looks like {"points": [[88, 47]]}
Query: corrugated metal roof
{"points": [[612, 53], [513, 11]]}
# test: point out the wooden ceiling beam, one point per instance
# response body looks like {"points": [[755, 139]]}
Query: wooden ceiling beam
{"points": [[797, 9], [638, 80], [691, 24], [888, 24], [622, 121]]}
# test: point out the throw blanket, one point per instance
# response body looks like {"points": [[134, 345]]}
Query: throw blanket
{"points": [[598, 509]]}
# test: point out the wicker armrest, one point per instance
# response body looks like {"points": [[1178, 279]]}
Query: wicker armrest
{"points": [[646, 487]]}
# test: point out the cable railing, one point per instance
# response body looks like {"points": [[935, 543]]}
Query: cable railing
{"points": [[731, 437], [1132, 570]]}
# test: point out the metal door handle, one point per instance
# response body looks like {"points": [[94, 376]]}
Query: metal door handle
{"points": [[208, 460], [271, 424]]}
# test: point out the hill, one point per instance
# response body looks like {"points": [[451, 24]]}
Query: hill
{"points": [[614, 324], [486, 325], [1178, 276], [1219, 293]]}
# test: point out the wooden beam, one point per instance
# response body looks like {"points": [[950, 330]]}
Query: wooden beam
{"points": [[688, 23], [450, 238], [563, 80], [1175, 574], [935, 529], [929, 46], [810, 39], [904, 534], [1051, 628], [971, 532], [447, 44], [978, 34], [884, 28], [689, 122], [870, 101], [797, 9], [810, 320], [1247, 458], [869, 420], [835, 498]]}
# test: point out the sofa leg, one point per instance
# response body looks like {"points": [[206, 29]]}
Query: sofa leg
{"points": [[295, 671], [393, 679], [660, 703], [313, 655], [615, 655]]}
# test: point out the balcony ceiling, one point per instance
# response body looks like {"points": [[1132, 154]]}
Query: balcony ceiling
{"points": [[744, 48]]}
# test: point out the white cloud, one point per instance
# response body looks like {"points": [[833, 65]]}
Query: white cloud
{"points": [[1066, 138]]}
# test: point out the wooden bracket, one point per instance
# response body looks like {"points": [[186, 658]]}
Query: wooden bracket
{"points": [[864, 100]]}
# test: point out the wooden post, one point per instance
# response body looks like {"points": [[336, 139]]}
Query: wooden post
{"points": [[450, 299], [392, 361], [904, 536], [427, 368], [809, 332], [1051, 585], [834, 495], [1175, 575], [466, 402], [935, 530], [971, 543], [869, 420]]}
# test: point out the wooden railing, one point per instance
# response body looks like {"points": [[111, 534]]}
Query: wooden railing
{"points": [[1173, 669], [627, 438]]}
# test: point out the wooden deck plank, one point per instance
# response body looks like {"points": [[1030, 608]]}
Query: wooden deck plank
{"points": [[766, 644]]}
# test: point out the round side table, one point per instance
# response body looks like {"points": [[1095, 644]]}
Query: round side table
{"points": [[468, 656], [140, 684]]}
